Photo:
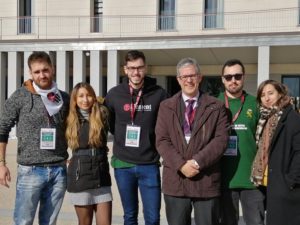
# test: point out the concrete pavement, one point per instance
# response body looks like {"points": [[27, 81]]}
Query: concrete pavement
{"points": [[67, 214]]}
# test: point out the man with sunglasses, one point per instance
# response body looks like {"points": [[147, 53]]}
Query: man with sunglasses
{"points": [[237, 160]]}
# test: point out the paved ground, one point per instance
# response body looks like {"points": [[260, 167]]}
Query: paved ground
{"points": [[67, 214]]}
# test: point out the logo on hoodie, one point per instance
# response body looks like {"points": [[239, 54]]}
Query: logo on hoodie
{"points": [[126, 107], [144, 108]]}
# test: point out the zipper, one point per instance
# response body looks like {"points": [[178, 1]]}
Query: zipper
{"points": [[203, 131], [78, 169]]}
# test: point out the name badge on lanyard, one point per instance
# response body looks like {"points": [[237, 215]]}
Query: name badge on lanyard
{"points": [[133, 134], [232, 146], [48, 138]]}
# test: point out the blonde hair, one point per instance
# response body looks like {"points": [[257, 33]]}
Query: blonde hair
{"points": [[97, 120]]}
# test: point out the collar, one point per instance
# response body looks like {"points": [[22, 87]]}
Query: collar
{"points": [[185, 97]]}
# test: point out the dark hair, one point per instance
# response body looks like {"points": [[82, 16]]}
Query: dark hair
{"points": [[39, 57], [233, 62], [279, 87], [134, 55]]}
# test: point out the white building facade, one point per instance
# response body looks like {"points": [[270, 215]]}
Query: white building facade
{"points": [[87, 39]]}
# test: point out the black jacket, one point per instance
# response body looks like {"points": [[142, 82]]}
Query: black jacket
{"points": [[118, 101], [283, 190], [86, 171]]}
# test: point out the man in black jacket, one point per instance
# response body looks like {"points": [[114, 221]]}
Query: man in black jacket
{"points": [[133, 107]]}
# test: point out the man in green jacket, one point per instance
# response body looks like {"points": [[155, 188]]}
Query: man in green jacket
{"points": [[237, 160]]}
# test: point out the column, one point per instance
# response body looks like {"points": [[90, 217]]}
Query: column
{"points": [[2, 79], [96, 72], [79, 67], [13, 78], [113, 69], [26, 68], [263, 64], [62, 70], [14, 72]]}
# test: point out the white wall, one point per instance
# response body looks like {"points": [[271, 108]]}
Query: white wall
{"points": [[8, 8], [129, 7], [246, 5]]}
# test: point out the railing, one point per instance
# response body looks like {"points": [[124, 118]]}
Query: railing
{"points": [[70, 27]]}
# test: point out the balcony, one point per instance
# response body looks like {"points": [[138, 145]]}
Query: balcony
{"points": [[79, 27]]}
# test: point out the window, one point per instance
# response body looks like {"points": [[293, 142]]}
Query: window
{"points": [[293, 84], [298, 12], [96, 20], [213, 13], [212, 85], [24, 20], [166, 20]]}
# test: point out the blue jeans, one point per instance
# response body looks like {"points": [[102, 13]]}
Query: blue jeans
{"points": [[147, 179], [252, 202], [45, 186]]}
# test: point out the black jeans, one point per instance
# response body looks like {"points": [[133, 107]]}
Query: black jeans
{"points": [[179, 209], [252, 202]]}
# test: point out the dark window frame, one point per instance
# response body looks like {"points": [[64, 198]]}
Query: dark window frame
{"points": [[167, 18], [213, 13], [97, 16], [24, 16]]}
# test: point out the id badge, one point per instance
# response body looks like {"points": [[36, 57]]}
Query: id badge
{"points": [[133, 134], [232, 146], [48, 138]]}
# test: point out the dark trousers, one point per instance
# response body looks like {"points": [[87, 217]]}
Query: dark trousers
{"points": [[179, 209], [252, 202]]}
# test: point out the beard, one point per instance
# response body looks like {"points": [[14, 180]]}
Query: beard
{"points": [[44, 83], [235, 90]]}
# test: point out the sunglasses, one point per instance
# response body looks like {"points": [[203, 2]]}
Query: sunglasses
{"points": [[237, 76]]}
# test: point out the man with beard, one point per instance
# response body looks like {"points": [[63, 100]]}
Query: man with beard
{"points": [[133, 107], [39, 109], [241, 150]]}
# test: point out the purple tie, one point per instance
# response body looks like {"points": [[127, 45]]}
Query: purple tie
{"points": [[188, 115]]}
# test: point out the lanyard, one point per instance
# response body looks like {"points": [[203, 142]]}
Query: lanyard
{"points": [[48, 117], [133, 106], [240, 109]]}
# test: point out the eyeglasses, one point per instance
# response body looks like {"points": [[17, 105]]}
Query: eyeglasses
{"points": [[138, 68], [237, 76], [186, 77]]}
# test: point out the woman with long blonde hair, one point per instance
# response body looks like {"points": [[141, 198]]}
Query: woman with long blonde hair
{"points": [[89, 182]]}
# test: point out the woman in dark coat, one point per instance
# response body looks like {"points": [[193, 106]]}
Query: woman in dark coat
{"points": [[277, 163], [88, 178]]}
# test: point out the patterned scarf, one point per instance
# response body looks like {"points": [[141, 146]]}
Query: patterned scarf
{"points": [[266, 127]]}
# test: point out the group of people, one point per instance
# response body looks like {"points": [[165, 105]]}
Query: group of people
{"points": [[216, 152]]}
